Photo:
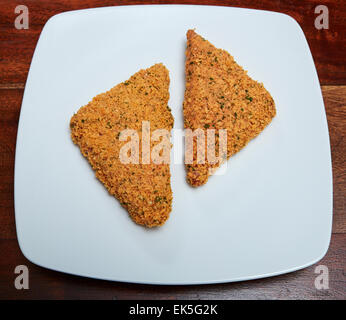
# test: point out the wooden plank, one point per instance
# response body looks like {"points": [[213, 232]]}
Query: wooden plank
{"points": [[327, 46], [47, 284], [10, 102], [335, 103]]}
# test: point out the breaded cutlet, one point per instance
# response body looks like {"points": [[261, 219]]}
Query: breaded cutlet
{"points": [[220, 95], [143, 189]]}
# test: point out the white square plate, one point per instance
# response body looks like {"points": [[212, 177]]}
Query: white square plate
{"points": [[270, 213]]}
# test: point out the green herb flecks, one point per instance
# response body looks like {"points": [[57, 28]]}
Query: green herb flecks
{"points": [[247, 96]]}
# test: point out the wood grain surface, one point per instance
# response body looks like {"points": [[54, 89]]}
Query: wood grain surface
{"points": [[16, 49]]}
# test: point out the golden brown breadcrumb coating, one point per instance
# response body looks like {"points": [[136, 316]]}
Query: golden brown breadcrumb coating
{"points": [[143, 189], [220, 95]]}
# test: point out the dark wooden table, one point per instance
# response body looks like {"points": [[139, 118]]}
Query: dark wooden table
{"points": [[328, 47]]}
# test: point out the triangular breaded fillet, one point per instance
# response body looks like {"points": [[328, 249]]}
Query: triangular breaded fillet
{"points": [[220, 95], [143, 189]]}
